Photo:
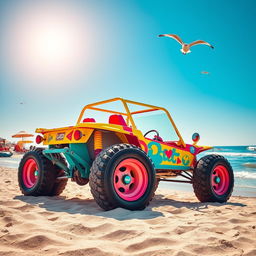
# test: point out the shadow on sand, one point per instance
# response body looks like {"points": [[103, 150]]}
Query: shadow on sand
{"points": [[89, 207], [161, 200]]}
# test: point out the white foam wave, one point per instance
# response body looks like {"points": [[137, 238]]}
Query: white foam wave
{"points": [[9, 161], [245, 175], [245, 186], [13, 163], [233, 154]]}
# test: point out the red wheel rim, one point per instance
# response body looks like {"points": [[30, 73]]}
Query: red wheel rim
{"points": [[130, 179], [220, 180], [30, 173]]}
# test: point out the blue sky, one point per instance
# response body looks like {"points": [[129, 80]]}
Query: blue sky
{"points": [[113, 51]]}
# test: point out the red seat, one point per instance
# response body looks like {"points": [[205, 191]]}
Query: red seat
{"points": [[89, 120], [117, 119], [158, 138]]}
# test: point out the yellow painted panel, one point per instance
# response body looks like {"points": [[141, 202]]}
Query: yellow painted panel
{"points": [[66, 136]]}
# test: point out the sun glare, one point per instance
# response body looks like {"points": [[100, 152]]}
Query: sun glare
{"points": [[48, 44], [53, 45]]}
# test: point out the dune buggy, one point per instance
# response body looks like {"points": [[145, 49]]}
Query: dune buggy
{"points": [[121, 160]]}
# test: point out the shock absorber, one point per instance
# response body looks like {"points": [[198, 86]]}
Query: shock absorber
{"points": [[97, 142]]}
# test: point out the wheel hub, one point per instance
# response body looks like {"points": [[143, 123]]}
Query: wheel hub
{"points": [[126, 179], [220, 180], [130, 179], [30, 173], [217, 179]]}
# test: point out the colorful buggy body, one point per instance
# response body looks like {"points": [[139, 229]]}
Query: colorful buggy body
{"points": [[122, 165]]}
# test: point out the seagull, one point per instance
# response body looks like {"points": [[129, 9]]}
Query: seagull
{"points": [[185, 47]]}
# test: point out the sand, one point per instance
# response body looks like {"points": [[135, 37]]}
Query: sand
{"points": [[174, 224]]}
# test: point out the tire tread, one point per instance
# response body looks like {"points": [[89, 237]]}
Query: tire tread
{"points": [[48, 174], [96, 179], [201, 185]]}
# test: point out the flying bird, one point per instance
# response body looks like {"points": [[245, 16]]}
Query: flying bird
{"points": [[185, 47]]}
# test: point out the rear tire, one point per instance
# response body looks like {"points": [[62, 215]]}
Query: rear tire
{"points": [[36, 174], [122, 175], [213, 179]]}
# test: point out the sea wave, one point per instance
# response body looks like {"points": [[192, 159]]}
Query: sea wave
{"points": [[245, 175], [253, 148], [233, 154]]}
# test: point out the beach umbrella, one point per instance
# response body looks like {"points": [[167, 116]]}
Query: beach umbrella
{"points": [[22, 134], [25, 141]]}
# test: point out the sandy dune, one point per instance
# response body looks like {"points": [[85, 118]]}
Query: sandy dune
{"points": [[73, 225]]}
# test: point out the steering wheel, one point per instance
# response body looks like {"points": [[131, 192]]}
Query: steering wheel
{"points": [[157, 133]]}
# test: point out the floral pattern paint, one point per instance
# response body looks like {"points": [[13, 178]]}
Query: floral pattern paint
{"points": [[168, 157]]}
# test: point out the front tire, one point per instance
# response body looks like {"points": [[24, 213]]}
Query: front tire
{"points": [[213, 179], [122, 176]]}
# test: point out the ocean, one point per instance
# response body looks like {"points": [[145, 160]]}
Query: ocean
{"points": [[241, 158]]}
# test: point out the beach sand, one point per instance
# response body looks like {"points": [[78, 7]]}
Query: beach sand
{"points": [[72, 224]]}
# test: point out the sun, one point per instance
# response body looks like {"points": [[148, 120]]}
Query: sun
{"points": [[53, 45], [49, 44]]}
